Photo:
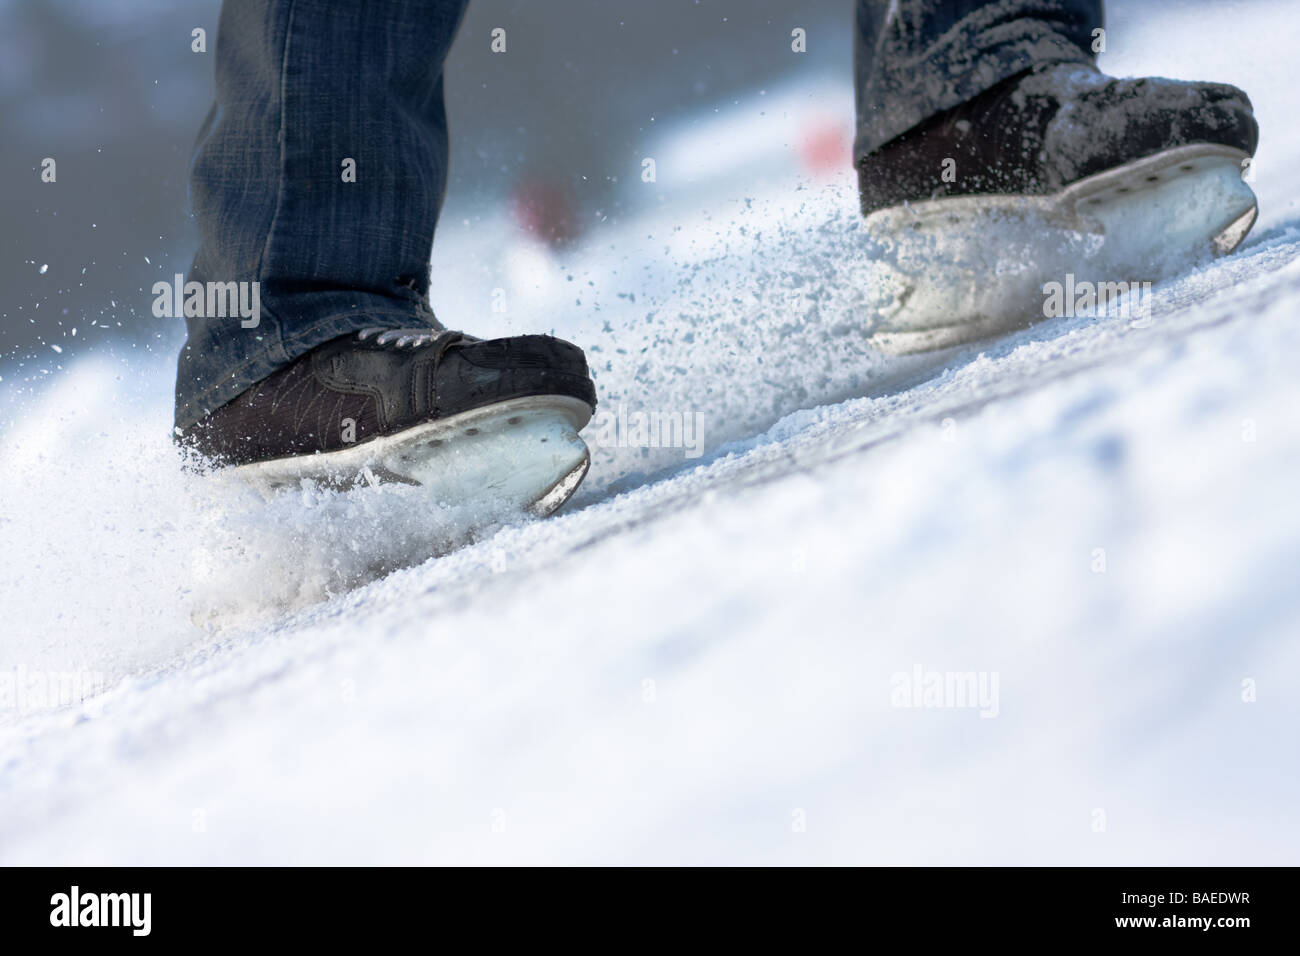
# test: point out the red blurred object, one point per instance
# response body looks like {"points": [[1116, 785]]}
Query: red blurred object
{"points": [[547, 211], [826, 147]]}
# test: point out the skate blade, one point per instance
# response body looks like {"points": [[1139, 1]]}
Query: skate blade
{"points": [[524, 453], [966, 268]]}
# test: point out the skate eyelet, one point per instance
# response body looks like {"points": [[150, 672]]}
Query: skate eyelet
{"points": [[1153, 179], [471, 431], [515, 420], [1187, 167]]}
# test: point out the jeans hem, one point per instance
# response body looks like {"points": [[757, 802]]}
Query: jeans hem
{"points": [[970, 78]]}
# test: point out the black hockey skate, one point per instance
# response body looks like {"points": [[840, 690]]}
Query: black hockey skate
{"points": [[463, 417], [1058, 174]]}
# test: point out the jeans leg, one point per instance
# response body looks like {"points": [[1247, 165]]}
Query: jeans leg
{"points": [[303, 86], [916, 58]]}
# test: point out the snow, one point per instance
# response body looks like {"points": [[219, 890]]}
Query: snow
{"points": [[699, 660]]}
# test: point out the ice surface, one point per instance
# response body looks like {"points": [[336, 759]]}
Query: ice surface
{"points": [[673, 673]]}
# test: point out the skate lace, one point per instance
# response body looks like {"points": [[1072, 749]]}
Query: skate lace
{"points": [[401, 338]]}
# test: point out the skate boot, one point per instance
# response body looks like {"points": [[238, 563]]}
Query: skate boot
{"points": [[466, 418], [1058, 175]]}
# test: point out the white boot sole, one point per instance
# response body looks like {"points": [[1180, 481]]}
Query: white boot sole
{"points": [[969, 267], [523, 453]]}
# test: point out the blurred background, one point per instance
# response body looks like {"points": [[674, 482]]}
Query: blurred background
{"points": [[547, 143], [547, 140]]}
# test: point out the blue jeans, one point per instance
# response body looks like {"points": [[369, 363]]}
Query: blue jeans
{"points": [[308, 89]]}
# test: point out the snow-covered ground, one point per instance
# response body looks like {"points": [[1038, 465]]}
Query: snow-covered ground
{"points": [[702, 659]]}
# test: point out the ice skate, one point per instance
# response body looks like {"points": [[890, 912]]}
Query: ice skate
{"points": [[1058, 172], [467, 419]]}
